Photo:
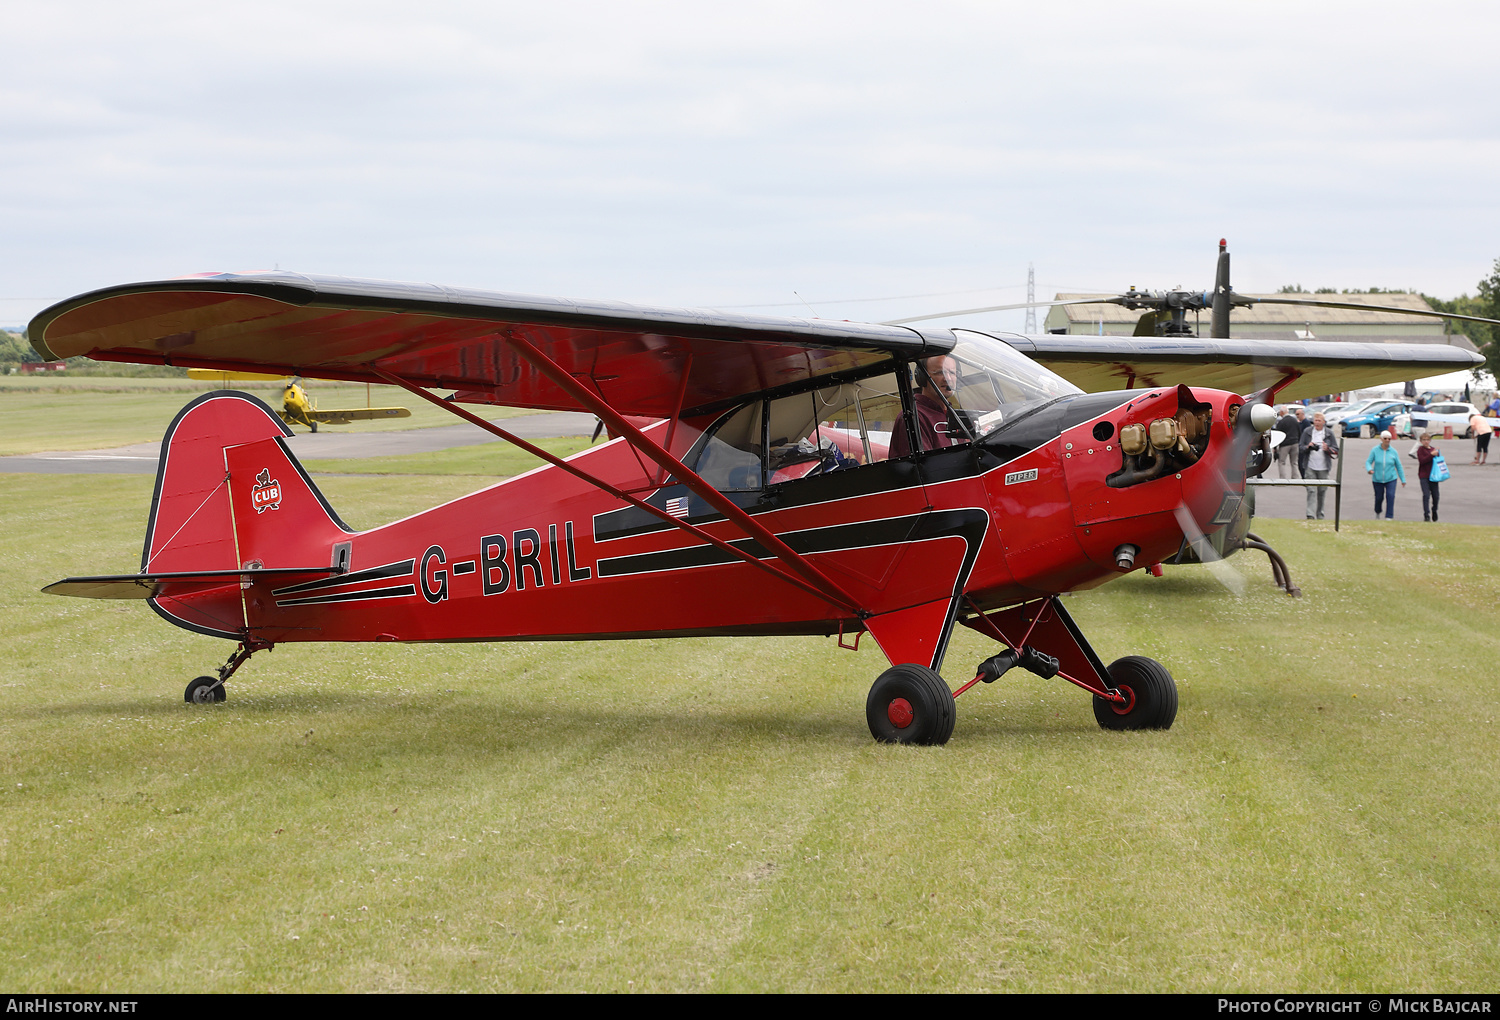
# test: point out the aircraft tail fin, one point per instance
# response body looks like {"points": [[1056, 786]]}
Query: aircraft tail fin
{"points": [[230, 495]]}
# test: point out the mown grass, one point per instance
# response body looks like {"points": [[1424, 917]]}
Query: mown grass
{"points": [[712, 815], [480, 460], [103, 412]]}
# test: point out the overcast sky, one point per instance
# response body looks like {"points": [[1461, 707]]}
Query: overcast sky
{"points": [[733, 154]]}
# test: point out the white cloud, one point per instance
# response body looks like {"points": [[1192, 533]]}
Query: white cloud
{"points": [[694, 153]]}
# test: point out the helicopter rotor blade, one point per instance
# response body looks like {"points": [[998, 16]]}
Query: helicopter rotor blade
{"points": [[1219, 324], [1102, 300], [1240, 299]]}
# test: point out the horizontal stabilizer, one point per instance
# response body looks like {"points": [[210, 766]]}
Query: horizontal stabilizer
{"points": [[220, 376], [148, 586], [345, 416]]}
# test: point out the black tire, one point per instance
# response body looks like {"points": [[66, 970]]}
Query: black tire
{"points": [[928, 712], [203, 692], [1152, 693]]}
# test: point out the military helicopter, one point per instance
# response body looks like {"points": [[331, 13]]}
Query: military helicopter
{"points": [[1166, 310]]}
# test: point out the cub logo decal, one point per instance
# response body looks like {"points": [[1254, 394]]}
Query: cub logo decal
{"points": [[265, 494]]}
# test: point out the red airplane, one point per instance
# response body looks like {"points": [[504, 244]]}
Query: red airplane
{"points": [[768, 476]]}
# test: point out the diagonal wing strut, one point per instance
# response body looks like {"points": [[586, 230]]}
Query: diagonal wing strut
{"points": [[810, 580]]}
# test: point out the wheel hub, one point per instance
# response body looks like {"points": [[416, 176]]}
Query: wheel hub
{"points": [[900, 714], [1123, 707]]}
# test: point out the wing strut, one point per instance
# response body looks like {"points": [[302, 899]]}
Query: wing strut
{"points": [[1268, 394], [842, 601], [684, 474]]}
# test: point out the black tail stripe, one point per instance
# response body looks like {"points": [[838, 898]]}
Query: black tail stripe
{"points": [[353, 596], [403, 569]]}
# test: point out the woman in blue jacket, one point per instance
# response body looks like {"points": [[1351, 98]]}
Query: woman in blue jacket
{"points": [[1384, 465]]}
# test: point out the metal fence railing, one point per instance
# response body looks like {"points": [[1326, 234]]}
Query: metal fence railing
{"points": [[1336, 483]]}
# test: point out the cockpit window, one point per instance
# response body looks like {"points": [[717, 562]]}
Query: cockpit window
{"points": [[836, 428], [991, 381], [956, 398], [730, 460]]}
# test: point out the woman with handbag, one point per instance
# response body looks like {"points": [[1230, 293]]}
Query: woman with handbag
{"points": [[1431, 469]]}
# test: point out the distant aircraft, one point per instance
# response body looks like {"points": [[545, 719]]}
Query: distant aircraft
{"points": [[793, 476], [296, 406]]}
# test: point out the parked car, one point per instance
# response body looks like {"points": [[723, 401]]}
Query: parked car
{"points": [[1338, 414], [1373, 418], [1325, 409], [1437, 416]]}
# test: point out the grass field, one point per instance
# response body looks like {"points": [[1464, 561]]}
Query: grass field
{"points": [[102, 412], [712, 814], [483, 461]]}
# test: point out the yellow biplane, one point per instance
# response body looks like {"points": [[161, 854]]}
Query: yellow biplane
{"points": [[297, 408]]}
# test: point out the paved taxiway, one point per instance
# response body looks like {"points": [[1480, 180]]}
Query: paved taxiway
{"points": [[141, 458], [1471, 496]]}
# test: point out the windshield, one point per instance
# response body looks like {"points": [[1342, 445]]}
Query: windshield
{"points": [[990, 382]]}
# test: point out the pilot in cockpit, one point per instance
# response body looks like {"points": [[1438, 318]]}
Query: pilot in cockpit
{"points": [[932, 403]]}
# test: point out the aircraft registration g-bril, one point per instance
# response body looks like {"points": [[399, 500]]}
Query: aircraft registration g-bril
{"points": [[767, 476]]}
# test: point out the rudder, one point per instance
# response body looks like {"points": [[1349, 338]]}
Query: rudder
{"points": [[203, 512]]}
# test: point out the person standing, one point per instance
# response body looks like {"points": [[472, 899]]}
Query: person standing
{"points": [[1315, 453], [1384, 465], [1425, 454], [1482, 430], [1287, 453]]}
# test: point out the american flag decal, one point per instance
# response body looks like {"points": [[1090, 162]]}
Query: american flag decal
{"points": [[677, 507]]}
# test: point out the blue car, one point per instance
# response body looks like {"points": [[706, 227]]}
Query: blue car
{"points": [[1374, 419]]}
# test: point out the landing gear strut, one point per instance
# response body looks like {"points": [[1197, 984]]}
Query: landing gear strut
{"points": [[1133, 693], [911, 704], [1279, 572], [205, 690]]}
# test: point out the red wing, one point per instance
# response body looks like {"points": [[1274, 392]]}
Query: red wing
{"points": [[335, 328]]}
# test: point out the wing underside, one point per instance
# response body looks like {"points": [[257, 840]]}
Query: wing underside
{"points": [[643, 361], [1241, 365], [650, 362]]}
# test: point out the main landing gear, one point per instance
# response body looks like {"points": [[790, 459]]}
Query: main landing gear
{"points": [[910, 704], [206, 690]]}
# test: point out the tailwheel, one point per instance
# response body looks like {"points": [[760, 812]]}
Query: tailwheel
{"points": [[205, 690], [1150, 696], [911, 704]]}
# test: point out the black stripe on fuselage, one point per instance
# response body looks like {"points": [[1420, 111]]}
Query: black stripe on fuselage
{"points": [[401, 591], [405, 568], [968, 524]]}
